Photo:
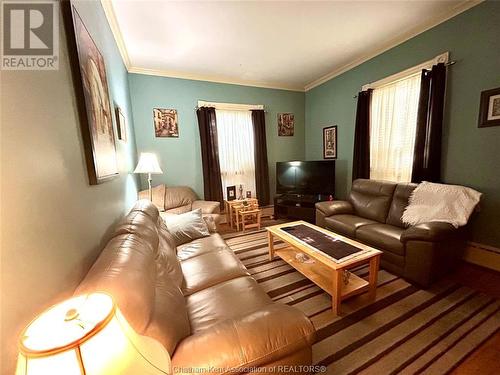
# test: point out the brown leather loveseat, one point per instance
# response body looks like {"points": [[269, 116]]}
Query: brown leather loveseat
{"points": [[372, 215], [198, 300]]}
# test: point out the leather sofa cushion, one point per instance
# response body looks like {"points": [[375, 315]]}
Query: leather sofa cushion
{"points": [[262, 337], [158, 193], [126, 269], [201, 246], [142, 225], [211, 268], [371, 199], [383, 237], [399, 202], [169, 322], [177, 210], [227, 300], [177, 196], [167, 261], [346, 225]]}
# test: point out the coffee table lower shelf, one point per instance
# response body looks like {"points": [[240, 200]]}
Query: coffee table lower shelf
{"points": [[322, 275]]}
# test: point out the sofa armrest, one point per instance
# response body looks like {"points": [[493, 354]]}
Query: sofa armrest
{"points": [[207, 207], [256, 339], [330, 208], [432, 232]]}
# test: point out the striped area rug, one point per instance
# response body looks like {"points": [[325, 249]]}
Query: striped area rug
{"points": [[406, 330]]}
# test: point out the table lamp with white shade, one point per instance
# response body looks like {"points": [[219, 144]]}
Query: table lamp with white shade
{"points": [[148, 163], [88, 335]]}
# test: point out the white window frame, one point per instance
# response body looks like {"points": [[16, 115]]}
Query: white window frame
{"points": [[417, 69], [230, 106]]}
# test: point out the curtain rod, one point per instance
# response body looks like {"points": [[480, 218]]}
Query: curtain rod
{"points": [[445, 64], [242, 110]]}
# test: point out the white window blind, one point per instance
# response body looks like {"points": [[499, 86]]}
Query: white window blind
{"points": [[393, 122], [236, 150]]}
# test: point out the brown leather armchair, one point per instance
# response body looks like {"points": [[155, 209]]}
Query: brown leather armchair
{"points": [[372, 215], [180, 199]]}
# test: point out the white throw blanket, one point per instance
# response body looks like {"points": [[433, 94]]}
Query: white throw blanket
{"points": [[439, 202]]}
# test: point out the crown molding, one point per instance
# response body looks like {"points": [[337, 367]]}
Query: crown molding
{"points": [[434, 21], [215, 79], [115, 29]]}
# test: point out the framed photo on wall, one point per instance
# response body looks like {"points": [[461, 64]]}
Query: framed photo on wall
{"points": [[330, 142], [489, 108], [121, 124], [286, 124], [166, 123], [92, 94]]}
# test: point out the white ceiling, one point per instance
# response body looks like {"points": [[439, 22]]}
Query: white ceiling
{"points": [[291, 45]]}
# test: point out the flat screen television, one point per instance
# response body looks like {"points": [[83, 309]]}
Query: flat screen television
{"points": [[305, 177]]}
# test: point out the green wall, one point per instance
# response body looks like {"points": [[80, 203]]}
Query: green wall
{"points": [[53, 223], [180, 157], [471, 156]]}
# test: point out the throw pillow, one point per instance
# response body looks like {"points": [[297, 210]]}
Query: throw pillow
{"points": [[186, 227]]}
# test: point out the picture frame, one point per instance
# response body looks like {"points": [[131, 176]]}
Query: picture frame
{"points": [[330, 142], [489, 108], [286, 124], [92, 98], [231, 193], [166, 123], [249, 194], [121, 124]]}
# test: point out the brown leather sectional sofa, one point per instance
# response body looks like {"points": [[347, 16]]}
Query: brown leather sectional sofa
{"points": [[372, 215], [198, 300]]}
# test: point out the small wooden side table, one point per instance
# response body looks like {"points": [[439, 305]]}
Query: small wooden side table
{"points": [[228, 208]]}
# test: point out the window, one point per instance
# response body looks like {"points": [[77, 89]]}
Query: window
{"points": [[236, 149], [393, 123]]}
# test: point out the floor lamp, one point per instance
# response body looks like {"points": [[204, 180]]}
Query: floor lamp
{"points": [[148, 163]]}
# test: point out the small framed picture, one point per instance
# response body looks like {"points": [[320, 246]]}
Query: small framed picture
{"points": [[166, 123], [231, 193], [489, 108], [330, 142], [121, 124], [249, 194], [286, 124]]}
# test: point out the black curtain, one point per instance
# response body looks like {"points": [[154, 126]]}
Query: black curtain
{"points": [[212, 183], [361, 157], [260, 152], [427, 154]]}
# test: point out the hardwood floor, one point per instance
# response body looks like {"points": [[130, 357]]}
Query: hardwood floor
{"points": [[484, 360]]}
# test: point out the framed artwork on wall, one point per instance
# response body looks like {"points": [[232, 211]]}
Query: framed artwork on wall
{"points": [[92, 93], [231, 193], [286, 124], [330, 142], [166, 123], [121, 124], [489, 108]]}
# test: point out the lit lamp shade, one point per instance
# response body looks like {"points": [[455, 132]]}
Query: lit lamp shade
{"points": [[148, 163], [88, 335]]}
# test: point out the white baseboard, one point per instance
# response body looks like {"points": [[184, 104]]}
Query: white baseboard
{"points": [[483, 255]]}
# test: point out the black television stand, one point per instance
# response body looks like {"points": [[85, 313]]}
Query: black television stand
{"points": [[297, 206]]}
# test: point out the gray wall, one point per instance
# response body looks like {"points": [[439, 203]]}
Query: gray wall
{"points": [[53, 223], [180, 157], [470, 155]]}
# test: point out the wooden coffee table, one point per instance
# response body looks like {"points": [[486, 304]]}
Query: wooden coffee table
{"points": [[324, 270]]}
